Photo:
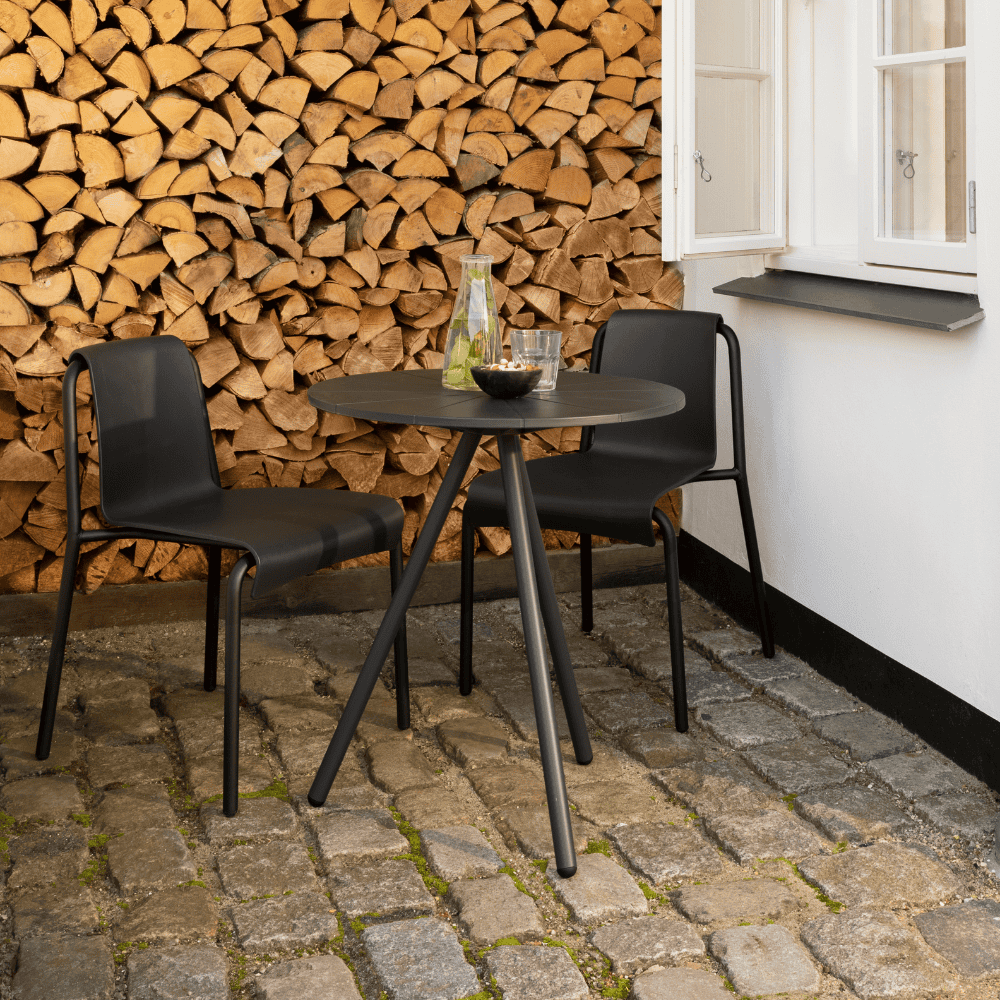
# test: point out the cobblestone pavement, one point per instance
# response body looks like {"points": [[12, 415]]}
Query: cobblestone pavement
{"points": [[793, 842]]}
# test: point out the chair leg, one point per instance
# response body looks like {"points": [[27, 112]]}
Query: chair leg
{"points": [[231, 713], [674, 613], [556, 636], [57, 651], [586, 584], [756, 573], [399, 650], [465, 626], [212, 617]]}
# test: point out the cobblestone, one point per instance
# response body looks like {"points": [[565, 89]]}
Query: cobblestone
{"points": [[968, 935], [962, 815], [639, 942], [853, 814], [42, 857], [664, 852], [147, 860], [302, 920], [122, 810], [620, 711], [132, 765], [438, 704], [358, 834], [678, 984], [720, 644], [474, 741], [606, 803], [600, 890], [536, 972], [61, 967], [170, 916], [493, 908], [420, 960], [726, 785], [799, 766], [883, 875], [66, 907], [257, 819], [664, 747], [459, 852], [182, 972], [748, 725], [733, 902], [867, 735], [757, 669], [399, 766], [166, 874], [764, 959], [300, 711], [812, 696], [387, 888], [318, 976], [875, 955], [266, 870], [915, 775], [50, 799]]}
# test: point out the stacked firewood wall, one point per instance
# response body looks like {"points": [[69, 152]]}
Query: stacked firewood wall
{"points": [[287, 186]]}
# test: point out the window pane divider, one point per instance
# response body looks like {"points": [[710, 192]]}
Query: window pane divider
{"points": [[732, 72], [954, 55]]}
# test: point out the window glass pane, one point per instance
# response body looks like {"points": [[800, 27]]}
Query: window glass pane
{"points": [[727, 133], [728, 33], [924, 152], [922, 25]]}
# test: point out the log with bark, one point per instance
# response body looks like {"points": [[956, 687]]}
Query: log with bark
{"points": [[287, 186]]}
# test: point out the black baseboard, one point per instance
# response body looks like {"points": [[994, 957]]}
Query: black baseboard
{"points": [[961, 732]]}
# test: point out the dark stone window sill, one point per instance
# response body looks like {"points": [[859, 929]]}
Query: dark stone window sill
{"points": [[923, 307]]}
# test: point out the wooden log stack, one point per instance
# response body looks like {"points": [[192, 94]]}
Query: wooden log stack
{"points": [[287, 186]]}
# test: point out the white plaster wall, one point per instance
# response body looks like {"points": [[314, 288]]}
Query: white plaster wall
{"points": [[874, 454]]}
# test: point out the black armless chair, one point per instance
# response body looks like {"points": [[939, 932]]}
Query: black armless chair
{"points": [[611, 486], [159, 479]]}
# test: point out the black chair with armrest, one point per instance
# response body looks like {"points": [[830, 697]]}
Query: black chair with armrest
{"points": [[159, 479], [611, 485]]}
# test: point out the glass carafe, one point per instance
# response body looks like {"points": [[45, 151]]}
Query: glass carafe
{"points": [[474, 329]]}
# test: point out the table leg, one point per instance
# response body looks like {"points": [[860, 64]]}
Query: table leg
{"points": [[514, 480], [557, 636], [393, 619]]}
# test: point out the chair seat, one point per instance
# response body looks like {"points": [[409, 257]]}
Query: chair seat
{"points": [[612, 495], [291, 532]]}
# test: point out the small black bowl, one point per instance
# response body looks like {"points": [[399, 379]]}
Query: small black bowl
{"points": [[506, 384]]}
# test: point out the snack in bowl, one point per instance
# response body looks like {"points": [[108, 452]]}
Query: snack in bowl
{"points": [[506, 380]]}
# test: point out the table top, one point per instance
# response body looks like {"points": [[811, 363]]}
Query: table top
{"points": [[418, 397]]}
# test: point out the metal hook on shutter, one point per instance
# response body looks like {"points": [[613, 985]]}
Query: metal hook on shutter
{"points": [[700, 160], [907, 156]]}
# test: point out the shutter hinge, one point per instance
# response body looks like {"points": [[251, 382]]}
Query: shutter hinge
{"points": [[972, 206], [676, 155]]}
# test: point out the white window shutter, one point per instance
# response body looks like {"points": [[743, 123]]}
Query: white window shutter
{"points": [[730, 125]]}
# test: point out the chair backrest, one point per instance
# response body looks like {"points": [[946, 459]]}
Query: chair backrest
{"points": [[676, 348], [153, 433]]}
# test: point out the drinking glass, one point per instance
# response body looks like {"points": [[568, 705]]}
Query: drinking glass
{"points": [[541, 348]]}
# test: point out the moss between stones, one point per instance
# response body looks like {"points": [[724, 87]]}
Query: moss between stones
{"points": [[598, 847], [831, 904], [436, 885], [508, 870], [276, 790]]}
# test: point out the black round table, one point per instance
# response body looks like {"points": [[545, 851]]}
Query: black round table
{"points": [[418, 397]]}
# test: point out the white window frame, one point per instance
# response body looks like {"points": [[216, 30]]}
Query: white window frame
{"points": [[679, 242], [875, 248], [686, 171]]}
